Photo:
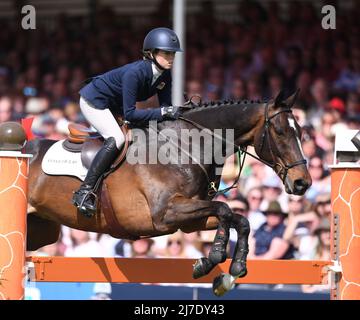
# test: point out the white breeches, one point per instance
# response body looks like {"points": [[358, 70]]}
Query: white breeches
{"points": [[103, 121]]}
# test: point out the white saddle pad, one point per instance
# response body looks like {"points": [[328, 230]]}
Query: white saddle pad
{"points": [[58, 161]]}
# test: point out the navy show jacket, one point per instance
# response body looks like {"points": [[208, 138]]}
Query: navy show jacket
{"points": [[119, 89]]}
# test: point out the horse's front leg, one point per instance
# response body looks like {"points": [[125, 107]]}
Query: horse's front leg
{"points": [[226, 282], [238, 263], [182, 210], [217, 253]]}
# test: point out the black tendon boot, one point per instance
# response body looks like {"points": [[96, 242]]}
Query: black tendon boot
{"points": [[84, 199]]}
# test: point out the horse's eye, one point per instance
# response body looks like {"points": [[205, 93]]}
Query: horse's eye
{"points": [[280, 131]]}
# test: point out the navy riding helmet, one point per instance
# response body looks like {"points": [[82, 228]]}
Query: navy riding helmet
{"points": [[163, 39]]}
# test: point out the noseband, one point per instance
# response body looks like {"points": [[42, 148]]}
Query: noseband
{"points": [[280, 169]]}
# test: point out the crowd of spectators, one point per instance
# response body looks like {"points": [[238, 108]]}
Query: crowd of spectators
{"points": [[41, 72]]}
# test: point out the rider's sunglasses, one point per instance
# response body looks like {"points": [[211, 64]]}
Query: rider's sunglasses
{"points": [[315, 166], [178, 242], [295, 200], [256, 198], [323, 203], [238, 210]]}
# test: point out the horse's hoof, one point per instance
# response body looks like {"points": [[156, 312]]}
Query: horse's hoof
{"points": [[238, 269], [202, 267], [222, 284]]}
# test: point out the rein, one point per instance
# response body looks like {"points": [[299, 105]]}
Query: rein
{"points": [[212, 190]]}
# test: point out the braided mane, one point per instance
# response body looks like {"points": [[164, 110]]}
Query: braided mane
{"points": [[223, 103]]}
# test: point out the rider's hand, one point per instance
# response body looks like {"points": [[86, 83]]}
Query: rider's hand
{"points": [[170, 112]]}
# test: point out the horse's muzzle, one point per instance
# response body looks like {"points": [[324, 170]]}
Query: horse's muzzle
{"points": [[300, 186]]}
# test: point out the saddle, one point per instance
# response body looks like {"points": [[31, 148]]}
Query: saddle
{"points": [[87, 142]]}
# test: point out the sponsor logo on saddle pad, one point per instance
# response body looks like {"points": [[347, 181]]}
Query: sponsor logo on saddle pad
{"points": [[58, 161]]}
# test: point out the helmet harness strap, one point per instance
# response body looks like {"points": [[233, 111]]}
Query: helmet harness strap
{"points": [[153, 59]]}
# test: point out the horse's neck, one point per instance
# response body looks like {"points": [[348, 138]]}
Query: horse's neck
{"points": [[243, 118]]}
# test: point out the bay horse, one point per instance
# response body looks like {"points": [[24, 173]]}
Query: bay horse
{"points": [[156, 199]]}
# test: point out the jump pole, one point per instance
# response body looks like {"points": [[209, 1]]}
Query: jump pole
{"points": [[135, 270], [14, 170]]}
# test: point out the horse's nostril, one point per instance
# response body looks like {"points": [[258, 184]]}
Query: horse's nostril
{"points": [[300, 184]]}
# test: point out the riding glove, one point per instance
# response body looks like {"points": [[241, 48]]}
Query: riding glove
{"points": [[170, 112]]}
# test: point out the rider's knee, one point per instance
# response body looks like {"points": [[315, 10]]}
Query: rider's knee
{"points": [[116, 140]]}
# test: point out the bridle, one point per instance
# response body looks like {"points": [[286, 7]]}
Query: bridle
{"points": [[279, 168]]}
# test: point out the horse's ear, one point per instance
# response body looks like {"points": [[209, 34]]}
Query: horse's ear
{"points": [[279, 98], [290, 101]]}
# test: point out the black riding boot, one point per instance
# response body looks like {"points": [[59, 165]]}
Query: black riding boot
{"points": [[84, 199]]}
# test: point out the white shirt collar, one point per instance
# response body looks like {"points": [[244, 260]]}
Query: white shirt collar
{"points": [[156, 72]]}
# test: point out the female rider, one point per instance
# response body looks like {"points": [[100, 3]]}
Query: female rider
{"points": [[116, 93]]}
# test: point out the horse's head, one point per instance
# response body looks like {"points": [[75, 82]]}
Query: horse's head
{"points": [[277, 142]]}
